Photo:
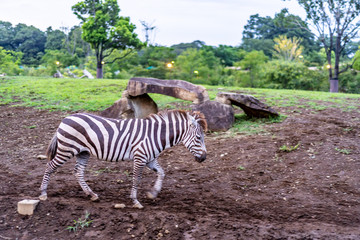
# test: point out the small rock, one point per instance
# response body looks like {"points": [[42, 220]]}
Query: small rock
{"points": [[120, 205], [27, 207], [41, 157]]}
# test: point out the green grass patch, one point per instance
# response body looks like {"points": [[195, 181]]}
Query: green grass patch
{"points": [[62, 94], [98, 94], [247, 125]]}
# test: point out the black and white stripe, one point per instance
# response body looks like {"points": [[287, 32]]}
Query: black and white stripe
{"points": [[141, 140]]}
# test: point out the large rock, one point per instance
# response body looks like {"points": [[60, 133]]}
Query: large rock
{"points": [[251, 106], [219, 116], [131, 107], [175, 88]]}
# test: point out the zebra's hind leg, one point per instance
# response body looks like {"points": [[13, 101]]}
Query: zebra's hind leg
{"points": [[81, 163], [51, 167], [139, 165], [155, 166]]}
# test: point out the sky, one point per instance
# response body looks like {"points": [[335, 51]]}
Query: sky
{"points": [[176, 21]]}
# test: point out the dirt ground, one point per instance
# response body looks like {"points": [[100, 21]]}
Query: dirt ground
{"points": [[246, 189]]}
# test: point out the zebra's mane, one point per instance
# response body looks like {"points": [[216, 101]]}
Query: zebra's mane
{"points": [[199, 117]]}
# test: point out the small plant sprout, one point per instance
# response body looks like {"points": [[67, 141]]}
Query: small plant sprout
{"points": [[343, 150], [240, 168], [286, 148], [80, 223]]}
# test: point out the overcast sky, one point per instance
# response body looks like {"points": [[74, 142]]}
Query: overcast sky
{"points": [[213, 21]]}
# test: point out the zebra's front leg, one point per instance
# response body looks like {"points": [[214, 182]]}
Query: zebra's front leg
{"points": [[82, 160], [139, 165], [155, 166]]}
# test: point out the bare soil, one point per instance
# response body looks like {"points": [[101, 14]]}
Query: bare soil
{"points": [[246, 189]]}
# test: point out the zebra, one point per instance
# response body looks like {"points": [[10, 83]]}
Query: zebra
{"points": [[141, 140]]}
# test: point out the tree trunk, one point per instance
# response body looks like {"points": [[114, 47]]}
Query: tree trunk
{"points": [[334, 85], [99, 70]]}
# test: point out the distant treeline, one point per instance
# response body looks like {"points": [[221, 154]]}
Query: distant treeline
{"points": [[274, 53]]}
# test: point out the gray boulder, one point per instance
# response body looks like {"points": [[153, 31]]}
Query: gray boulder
{"points": [[251, 106], [219, 116]]}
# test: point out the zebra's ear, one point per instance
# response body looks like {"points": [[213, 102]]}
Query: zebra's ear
{"points": [[200, 119]]}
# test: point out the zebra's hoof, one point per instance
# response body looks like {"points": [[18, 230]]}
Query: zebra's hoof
{"points": [[138, 206], [95, 198], [151, 195], [43, 197]]}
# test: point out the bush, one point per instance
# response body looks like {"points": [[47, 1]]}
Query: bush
{"points": [[9, 62], [349, 82], [293, 75]]}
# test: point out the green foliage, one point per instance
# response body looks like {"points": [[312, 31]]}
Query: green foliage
{"points": [[350, 82], [31, 42], [260, 31], [55, 39], [9, 62], [253, 61], [80, 223], [181, 47], [291, 75], [286, 148], [54, 59], [343, 150], [197, 66]]}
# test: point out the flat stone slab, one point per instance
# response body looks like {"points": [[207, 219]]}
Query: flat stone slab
{"points": [[175, 88], [251, 106], [131, 107]]}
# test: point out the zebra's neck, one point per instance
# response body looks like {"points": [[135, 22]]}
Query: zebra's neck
{"points": [[169, 130]]}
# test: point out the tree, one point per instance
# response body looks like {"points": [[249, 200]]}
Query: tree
{"points": [[252, 61], [260, 31], [30, 41], [55, 39], [336, 23], [22, 38], [105, 30], [181, 47], [288, 49], [7, 34], [199, 66]]}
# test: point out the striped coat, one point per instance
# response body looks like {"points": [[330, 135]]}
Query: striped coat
{"points": [[141, 140]]}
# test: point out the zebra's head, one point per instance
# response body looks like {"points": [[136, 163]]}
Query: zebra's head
{"points": [[194, 139]]}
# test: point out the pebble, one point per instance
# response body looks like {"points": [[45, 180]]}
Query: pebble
{"points": [[120, 205], [41, 157]]}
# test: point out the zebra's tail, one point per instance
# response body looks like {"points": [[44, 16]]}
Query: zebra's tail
{"points": [[51, 150]]}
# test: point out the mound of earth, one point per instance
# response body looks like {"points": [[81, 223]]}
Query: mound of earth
{"points": [[247, 188]]}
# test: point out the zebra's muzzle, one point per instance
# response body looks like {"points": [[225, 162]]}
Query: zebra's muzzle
{"points": [[201, 158]]}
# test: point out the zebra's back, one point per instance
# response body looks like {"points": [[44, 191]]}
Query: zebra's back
{"points": [[107, 139]]}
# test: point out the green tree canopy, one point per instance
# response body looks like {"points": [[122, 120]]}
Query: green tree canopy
{"points": [[55, 39], [260, 31], [104, 29]]}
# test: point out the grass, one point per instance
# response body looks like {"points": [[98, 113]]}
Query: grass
{"points": [[286, 148], [343, 150], [98, 94], [247, 125], [61, 94]]}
